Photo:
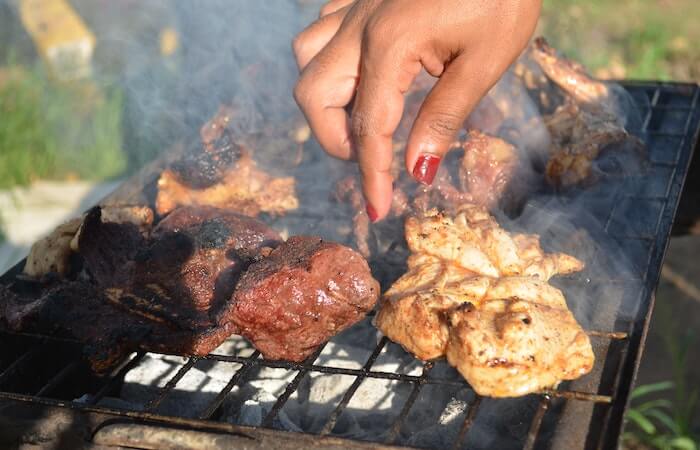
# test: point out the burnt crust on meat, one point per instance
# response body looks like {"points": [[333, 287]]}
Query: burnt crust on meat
{"points": [[167, 293], [303, 293]]}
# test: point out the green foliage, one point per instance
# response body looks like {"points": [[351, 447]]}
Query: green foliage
{"points": [[51, 130], [642, 39], [659, 422]]}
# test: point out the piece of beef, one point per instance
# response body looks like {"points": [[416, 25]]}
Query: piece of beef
{"points": [[303, 293], [167, 293]]}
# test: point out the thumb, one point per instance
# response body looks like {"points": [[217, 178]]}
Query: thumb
{"points": [[441, 117]]}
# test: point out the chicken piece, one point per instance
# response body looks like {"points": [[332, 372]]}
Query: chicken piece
{"points": [[52, 253], [244, 188], [487, 167], [569, 75], [474, 240], [578, 137], [481, 296]]}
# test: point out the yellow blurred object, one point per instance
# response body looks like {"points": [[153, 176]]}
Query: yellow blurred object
{"points": [[168, 41], [60, 35]]}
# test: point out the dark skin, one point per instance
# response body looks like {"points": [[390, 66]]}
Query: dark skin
{"points": [[368, 52]]}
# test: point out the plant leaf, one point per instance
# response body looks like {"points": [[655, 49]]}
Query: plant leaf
{"points": [[664, 418], [642, 422], [683, 443], [659, 403], [646, 389]]}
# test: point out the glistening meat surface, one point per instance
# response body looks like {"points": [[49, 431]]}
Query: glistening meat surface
{"points": [[304, 292]]}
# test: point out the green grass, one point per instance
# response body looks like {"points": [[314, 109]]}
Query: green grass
{"points": [[640, 39], [57, 131]]}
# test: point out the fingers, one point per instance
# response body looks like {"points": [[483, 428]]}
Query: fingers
{"points": [[333, 6], [316, 36], [441, 117], [324, 88], [376, 114]]}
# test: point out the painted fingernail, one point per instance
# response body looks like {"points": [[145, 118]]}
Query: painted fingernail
{"points": [[425, 169], [372, 213]]}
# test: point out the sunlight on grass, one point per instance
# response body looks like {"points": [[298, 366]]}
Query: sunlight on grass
{"points": [[57, 131], [641, 39]]}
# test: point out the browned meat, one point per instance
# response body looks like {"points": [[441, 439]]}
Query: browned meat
{"points": [[579, 137], [487, 167], [204, 166], [168, 293], [304, 292], [243, 188], [348, 190]]}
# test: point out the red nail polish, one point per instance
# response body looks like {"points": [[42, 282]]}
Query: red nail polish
{"points": [[425, 169], [372, 213]]}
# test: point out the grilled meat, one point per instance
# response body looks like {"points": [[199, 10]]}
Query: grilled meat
{"points": [[487, 167], [479, 295], [170, 292], [244, 188], [52, 254], [205, 166], [570, 75], [578, 139], [299, 296]]}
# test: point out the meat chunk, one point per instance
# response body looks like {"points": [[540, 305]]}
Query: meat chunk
{"points": [[52, 254], [205, 165], [243, 188], [304, 292], [487, 167], [579, 138], [481, 297], [169, 292]]}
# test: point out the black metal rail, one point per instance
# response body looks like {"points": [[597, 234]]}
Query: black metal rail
{"points": [[670, 143]]}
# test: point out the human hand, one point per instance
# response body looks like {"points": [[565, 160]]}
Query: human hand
{"points": [[368, 52]]}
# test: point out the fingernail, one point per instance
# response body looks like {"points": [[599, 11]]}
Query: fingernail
{"points": [[425, 169], [372, 213]]}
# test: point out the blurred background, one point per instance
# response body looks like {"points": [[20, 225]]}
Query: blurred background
{"points": [[91, 90]]}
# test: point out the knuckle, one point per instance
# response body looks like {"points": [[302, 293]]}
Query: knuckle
{"points": [[299, 43], [302, 94], [444, 125], [360, 125], [326, 9]]}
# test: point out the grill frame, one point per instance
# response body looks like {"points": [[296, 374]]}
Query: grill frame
{"points": [[627, 339]]}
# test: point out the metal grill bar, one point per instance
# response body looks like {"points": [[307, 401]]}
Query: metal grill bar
{"points": [[291, 387], [235, 379], [116, 377], [536, 423], [468, 421], [396, 427], [58, 379], [18, 363], [170, 385], [330, 424]]}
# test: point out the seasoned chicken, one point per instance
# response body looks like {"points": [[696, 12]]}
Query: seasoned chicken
{"points": [[244, 188], [480, 296]]}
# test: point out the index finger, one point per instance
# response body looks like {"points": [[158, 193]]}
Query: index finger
{"points": [[377, 111]]}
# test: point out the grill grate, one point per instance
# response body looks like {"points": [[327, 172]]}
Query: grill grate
{"points": [[671, 113]]}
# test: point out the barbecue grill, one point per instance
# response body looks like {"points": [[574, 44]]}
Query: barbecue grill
{"points": [[48, 394]]}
